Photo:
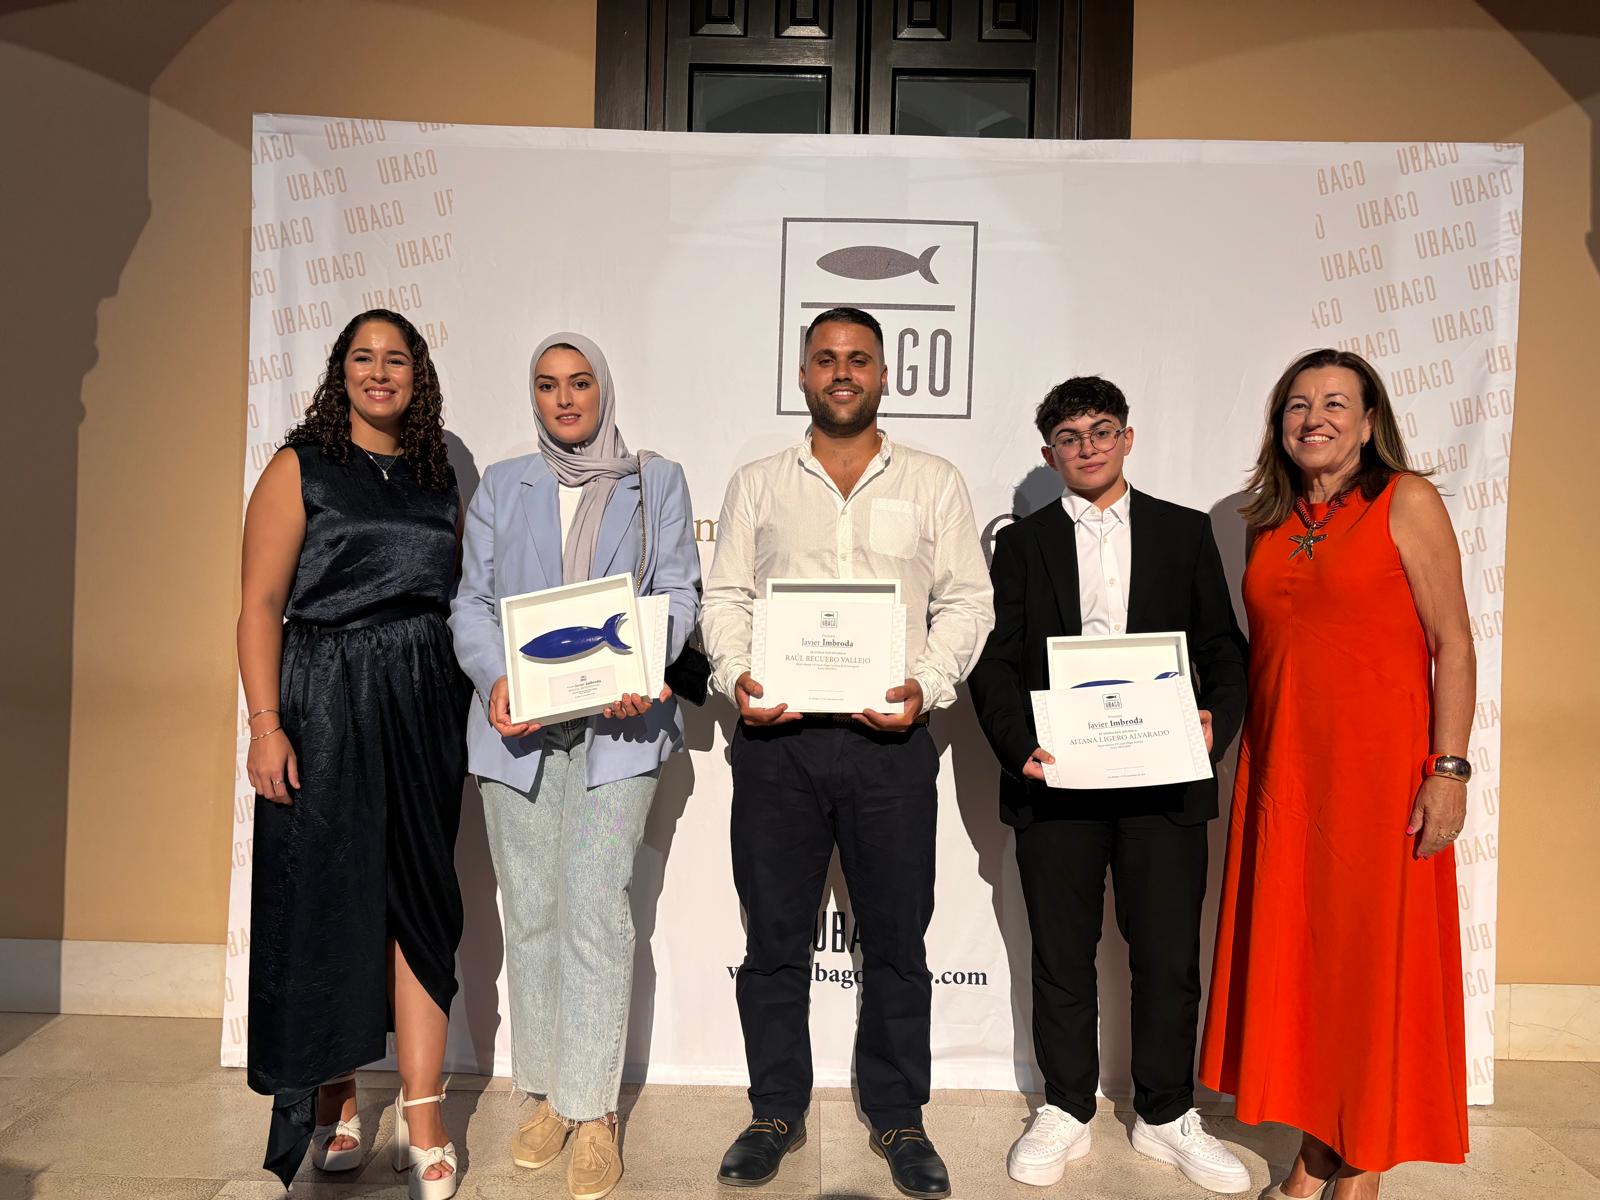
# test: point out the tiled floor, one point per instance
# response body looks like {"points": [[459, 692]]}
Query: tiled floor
{"points": [[116, 1107]]}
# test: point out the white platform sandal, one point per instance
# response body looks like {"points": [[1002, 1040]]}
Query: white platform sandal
{"points": [[1276, 1192], [323, 1158], [417, 1160]]}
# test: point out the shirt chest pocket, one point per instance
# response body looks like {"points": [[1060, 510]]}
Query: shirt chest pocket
{"points": [[893, 529]]}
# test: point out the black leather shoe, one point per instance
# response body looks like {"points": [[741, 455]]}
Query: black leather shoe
{"points": [[914, 1165], [755, 1155]]}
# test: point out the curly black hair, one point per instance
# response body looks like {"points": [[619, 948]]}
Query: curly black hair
{"points": [[1078, 397], [327, 419]]}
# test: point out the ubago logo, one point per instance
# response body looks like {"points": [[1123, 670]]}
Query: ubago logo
{"points": [[919, 278]]}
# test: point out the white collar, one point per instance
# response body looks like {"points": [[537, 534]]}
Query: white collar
{"points": [[884, 454], [1078, 508]]}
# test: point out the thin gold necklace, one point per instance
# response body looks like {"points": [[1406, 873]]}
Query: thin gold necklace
{"points": [[393, 458]]}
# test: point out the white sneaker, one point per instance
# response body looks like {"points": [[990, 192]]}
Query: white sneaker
{"points": [[1053, 1140], [1185, 1144]]}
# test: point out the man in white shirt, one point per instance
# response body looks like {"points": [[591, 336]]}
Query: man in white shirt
{"points": [[1107, 560], [844, 503]]}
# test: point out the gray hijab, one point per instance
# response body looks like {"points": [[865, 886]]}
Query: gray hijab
{"points": [[595, 466]]}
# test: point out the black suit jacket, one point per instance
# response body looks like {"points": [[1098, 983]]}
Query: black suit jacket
{"points": [[1176, 583]]}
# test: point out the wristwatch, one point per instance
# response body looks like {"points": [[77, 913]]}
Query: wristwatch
{"points": [[1451, 766]]}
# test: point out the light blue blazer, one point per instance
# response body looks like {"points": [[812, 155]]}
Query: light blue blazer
{"points": [[512, 545]]}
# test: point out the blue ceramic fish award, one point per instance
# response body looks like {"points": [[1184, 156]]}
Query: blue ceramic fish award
{"points": [[1115, 682], [572, 641]]}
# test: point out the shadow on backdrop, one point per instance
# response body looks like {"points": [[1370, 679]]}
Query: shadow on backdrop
{"points": [[76, 225], [1564, 37], [650, 873]]}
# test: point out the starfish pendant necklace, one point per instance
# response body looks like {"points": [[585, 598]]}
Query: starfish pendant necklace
{"points": [[1308, 540]]}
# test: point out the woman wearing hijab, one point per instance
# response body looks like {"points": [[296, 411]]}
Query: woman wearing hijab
{"points": [[565, 804]]}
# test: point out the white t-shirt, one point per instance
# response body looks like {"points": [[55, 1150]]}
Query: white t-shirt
{"points": [[568, 497]]}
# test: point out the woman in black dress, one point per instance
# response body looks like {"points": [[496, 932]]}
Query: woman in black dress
{"points": [[357, 712]]}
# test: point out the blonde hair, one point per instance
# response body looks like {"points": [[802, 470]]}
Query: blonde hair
{"points": [[1275, 482]]}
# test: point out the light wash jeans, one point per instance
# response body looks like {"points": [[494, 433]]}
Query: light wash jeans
{"points": [[564, 859]]}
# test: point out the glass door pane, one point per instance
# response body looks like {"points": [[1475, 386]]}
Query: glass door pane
{"points": [[963, 105], [734, 101]]}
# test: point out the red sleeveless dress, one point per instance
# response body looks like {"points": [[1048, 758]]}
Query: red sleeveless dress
{"points": [[1335, 1002]]}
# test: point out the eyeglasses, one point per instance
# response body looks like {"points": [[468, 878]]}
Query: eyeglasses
{"points": [[1099, 439]]}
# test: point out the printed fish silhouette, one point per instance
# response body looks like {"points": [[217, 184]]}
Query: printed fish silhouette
{"points": [[1114, 682], [877, 262], [572, 640]]}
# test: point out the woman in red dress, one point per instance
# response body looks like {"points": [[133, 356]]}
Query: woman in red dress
{"points": [[1336, 990]]}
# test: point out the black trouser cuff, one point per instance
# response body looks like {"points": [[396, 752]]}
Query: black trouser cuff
{"points": [[884, 1119], [1074, 1107], [1167, 1110]]}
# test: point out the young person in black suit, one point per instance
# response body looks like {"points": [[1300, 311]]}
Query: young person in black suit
{"points": [[1106, 559]]}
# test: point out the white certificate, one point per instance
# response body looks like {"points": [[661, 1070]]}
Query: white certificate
{"points": [[829, 646], [573, 650], [1122, 735], [653, 621], [1120, 712]]}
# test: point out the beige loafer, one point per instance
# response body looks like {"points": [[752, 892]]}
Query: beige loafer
{"points": [[596, 1164], [539, 1139]]}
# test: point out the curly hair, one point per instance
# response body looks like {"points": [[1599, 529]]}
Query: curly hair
{"points": [[327, 419], [1078, 397]]}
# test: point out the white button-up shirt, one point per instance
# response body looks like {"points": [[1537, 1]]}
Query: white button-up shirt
{"points": [[908, 518], [1105, 556]]}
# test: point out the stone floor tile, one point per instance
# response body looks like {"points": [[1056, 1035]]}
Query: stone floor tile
{"points": [[957, 1098], [1022, 1101], [1581, 1145], [270, 1189], [198, 1131], [833, 1093], [55, 1185], [1542, 1094], [16, 1028], [1506, 1163], [18, 1096], [134, 1049]]}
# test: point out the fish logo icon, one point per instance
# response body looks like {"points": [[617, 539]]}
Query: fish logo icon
{"points": [[572, 641], [919, 278], [878, 262]]}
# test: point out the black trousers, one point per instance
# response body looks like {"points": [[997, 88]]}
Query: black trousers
{"points": [[1158, 871], [799, 790]]}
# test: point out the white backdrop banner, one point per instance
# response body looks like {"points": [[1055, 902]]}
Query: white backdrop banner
{"points": [[1189, 273]]}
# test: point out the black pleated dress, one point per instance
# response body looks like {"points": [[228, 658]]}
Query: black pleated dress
{"points": [[375, 707]]}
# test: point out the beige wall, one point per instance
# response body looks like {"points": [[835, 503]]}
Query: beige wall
{"points": [[1502, 71], [126, 222], [124, 303]]}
